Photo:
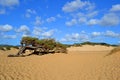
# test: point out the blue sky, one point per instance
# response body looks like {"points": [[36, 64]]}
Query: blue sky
{"points": [[67, 21]]}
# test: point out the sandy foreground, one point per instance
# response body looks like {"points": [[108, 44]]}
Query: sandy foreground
{"points": [[81, 63]]}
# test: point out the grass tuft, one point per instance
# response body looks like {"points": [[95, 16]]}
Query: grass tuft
{"points": [[115, 50]]}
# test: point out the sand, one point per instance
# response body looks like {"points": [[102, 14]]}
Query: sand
{"points": [[81, 63]]}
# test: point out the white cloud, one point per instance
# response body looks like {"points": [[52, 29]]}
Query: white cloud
{"points": [[93, 22], [108, 33], [37, 31], [90, 6], [48, 34], [71, 23], [115, 8], [38, 21], [9, 36], [95, 34], [92, 14], [82, 20], [84, 36], [43, 32], [112, 34], [82, 12], [76, 5], [29, 12], [5, 27], [75, 37], [51, 19], [9, 3], [79, 15], [24, 29], [110, 19], [24, 35]]}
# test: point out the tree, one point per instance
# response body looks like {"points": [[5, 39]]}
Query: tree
{"points": [[47, 44], [28, 41]]}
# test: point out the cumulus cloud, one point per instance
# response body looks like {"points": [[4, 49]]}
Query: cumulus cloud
{"points": [[80, 11], [71, 23], [82, 20], [92, 14], [76, 5], [110, 19], [111, 34], [29, 12], [75, 37], [115, 8], [84, 36], [5, 27], [24, 29], [38, 21], [43, 32], [108, 33], [9, 3], [48, 34], [51, 19], [37, 31], [84, 12], [92, 22], [95, 34]]}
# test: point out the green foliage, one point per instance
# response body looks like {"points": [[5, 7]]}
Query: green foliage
{"points": [[61, 48], [46, 44], [77, 44], [28, 40], [16, 47], [8, 47], [2, 48], [92, 43]]}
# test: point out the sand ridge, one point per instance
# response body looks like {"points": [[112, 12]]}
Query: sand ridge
{"points": [[76, 65]]}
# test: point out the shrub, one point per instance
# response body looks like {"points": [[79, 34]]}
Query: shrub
{"points": [[47, 44], [16, 47], [28, 40], [8, 48], [2, 48], [117, 49]]}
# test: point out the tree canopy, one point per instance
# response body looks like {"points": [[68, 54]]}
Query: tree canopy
{"points": [[47, 44]]}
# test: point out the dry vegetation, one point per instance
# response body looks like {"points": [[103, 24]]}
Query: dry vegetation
{"points": [[7, 47], [115, 50], [48, 45], [93, 44]]}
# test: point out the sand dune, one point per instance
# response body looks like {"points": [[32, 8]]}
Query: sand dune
{"points": [[81, 63]]}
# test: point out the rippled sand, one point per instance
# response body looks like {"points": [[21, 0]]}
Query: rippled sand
{"points": [[81, 63]]}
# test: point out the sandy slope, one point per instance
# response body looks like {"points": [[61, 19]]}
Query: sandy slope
{"points": [[91, 64]]}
